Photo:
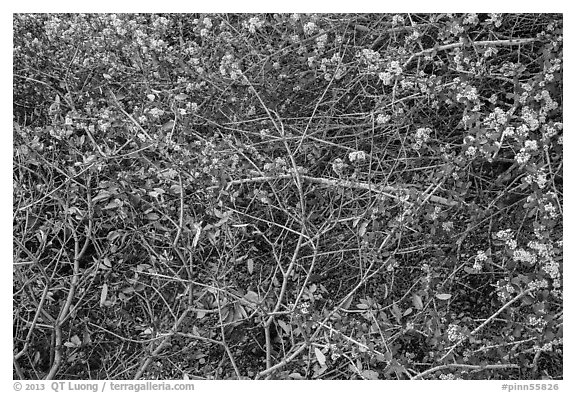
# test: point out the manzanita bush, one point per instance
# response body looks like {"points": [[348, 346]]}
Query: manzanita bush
{"points": [[319, 196]]}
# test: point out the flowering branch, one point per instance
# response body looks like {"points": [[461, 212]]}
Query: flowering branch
{"points": [[518, 41], [382, 190]]}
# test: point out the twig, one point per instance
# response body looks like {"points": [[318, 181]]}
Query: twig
{"points": [[486, 322], [382, 190], [129, 116], [465, 366], [518, 41]]}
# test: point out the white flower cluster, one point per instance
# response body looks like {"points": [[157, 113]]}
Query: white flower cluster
{"points": [[537, 323], [539, 178], [530, 118], [393, 69], [253, 24], [521, 255], [422, 136], [522, 157], [467, 91], [479, 260], [207, 26], [471, 151], [435, 213], [549, 103], [370, 58], [397, 20], [230, 67], [496, 19], [448, 377], [357, 156], [455, 333], [338, 166], [321, 41], [552, 268], [470, 19], [505, 290], [382, 118], [543, 283], [310, 28], [328, 64], [506, 236]]}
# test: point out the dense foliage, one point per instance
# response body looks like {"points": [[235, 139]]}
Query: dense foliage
{"points": [[326, 196]]}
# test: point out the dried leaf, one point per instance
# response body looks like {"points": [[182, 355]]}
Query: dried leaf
{"points": [[363, 227], [75, 340], [417, 302], [284, 326], [370, 374], [252, 297], [198, 228], [102, 195], [106, 262], [103, 294], [320, 356], [168, 126], [443, 296], [152, 216]]}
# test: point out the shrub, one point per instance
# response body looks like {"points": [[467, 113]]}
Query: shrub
{"points": [[343, 196]]}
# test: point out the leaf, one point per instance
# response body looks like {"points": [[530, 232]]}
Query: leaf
{"points": [[347, 303], [320, 356], [417, 302], [128, 290], [168, 126], [470, 270], [250, 263], [113, 235], [370, 374], [75, 340], [152, 216], [86, 337], [362, 306], [396, 312], [443, 296], [252, 297], [407, 312], [363, 227], [181, 96], [112, 205], [103, 294], [106, 262], [102, 195], [284, 326], [198, 228]]}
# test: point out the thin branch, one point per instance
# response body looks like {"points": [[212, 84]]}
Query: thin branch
{"points": [[518, 41], [465, 366]]}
